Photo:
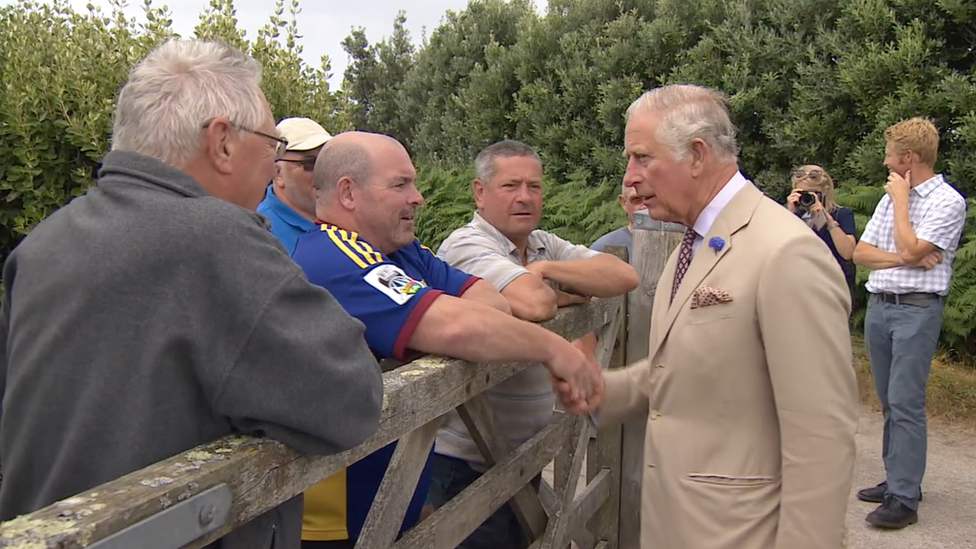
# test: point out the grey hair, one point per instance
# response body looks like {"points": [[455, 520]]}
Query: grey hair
{"points": [[688, 112], [484, 164], [341, 159], [177, 88]]}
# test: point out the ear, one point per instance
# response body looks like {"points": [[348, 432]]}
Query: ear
{"points": [[221, 144], [279, 179], [345, 190], [914, 158], [478, 188], [623, 201], [698, 151]]}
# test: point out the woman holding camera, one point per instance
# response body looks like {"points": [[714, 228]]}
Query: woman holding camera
{"points": [[812, 199]]}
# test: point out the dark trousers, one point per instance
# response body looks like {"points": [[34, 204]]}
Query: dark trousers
{"points": [[449, 477]]}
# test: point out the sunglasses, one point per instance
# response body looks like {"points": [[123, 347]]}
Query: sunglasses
{"points": [[308, 163], [812, 175]]}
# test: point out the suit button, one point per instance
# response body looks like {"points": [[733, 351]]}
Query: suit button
{"points": [[655, 414]]}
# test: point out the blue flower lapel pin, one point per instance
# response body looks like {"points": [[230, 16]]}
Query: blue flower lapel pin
{"points": [[716, 243]]}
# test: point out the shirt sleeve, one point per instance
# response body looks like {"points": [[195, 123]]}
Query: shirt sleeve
{"points": [[871, 233], [371, 288], [845, 218], [561, 250], [943, 224], [478, 254], [443, 276]]}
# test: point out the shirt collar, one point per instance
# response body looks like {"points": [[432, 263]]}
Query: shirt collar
{"points": [[534, 244], [929, 185], [286, 212], [718, 203]]}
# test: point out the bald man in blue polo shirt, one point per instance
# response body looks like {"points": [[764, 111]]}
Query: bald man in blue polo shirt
{"points": [[290, 200], [366, 255]]}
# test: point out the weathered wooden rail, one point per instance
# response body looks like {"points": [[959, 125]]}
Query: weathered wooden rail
{"points": [[196, 497]]}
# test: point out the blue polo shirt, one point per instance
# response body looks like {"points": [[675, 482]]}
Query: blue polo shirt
{"points": [[389, 294], [286, 223]]}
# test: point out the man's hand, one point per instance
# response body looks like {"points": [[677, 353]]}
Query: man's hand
{"points": [[538, 268], [930, 260], [577, 383], [576, 405], [565, 298], [897, 186]]}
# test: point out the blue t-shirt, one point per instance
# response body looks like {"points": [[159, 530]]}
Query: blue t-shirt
{"points": [[286, 223], [388, 294], [616, 237]]}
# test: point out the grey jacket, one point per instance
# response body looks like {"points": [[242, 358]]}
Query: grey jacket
{"points": [[147, 317]]}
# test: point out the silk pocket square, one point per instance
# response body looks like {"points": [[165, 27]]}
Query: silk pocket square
{"points": [[707, 295]]}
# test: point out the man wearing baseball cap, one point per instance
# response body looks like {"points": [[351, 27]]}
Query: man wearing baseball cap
{"points": [[290, 200]]}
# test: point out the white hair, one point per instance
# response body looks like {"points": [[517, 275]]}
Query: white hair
{"points": [[687, 112], [176, 89]]}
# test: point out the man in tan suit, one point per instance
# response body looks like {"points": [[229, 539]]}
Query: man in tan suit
{"points": [[749, 385]]}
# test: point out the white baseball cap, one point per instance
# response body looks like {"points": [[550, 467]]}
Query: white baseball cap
{"points": [[303, 134]]}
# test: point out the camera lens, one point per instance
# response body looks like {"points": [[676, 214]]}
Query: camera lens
{"points": [[807, 199]]}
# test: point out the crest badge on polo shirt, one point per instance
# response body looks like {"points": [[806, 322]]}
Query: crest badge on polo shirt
{"points": [[394, 283]]}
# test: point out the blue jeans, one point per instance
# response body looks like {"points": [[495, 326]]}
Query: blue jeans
{"points": [[449, 477], [901, 339]]}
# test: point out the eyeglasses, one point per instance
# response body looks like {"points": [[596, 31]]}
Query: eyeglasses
{"points": [[308, 163], [812, 175], [281, 144], [636, 200]]}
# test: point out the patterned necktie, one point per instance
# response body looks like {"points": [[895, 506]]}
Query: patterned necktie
{"points": [[684, 259]]}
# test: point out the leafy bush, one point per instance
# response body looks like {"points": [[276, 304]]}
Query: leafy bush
{"points": [[61, 71], [809, 81]]}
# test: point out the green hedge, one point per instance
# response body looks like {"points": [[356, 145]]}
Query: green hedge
{"points": [[809, 81]]}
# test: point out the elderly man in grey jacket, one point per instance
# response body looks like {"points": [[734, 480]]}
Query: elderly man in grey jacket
{"points": [[157, 312]]}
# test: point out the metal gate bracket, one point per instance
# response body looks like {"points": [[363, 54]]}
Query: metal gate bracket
{"points": [[176, 526]]}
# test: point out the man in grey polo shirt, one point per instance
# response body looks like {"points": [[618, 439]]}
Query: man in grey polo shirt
{"points": [[537, 272]]}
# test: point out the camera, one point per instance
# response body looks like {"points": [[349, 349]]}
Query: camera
{"points": [[809, 198]]}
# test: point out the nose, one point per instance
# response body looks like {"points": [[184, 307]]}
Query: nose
{"points": [[631, 174], [417, 199]]}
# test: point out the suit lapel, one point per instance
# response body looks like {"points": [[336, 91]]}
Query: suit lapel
{"points": [[733, 217]]}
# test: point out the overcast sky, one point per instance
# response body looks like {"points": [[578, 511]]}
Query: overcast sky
{"points": [[322, 23]]}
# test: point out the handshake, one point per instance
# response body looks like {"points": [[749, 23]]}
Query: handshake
{"points": [[577, 378]]}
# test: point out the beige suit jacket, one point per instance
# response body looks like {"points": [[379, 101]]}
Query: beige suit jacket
{"points": [[752, 403]]}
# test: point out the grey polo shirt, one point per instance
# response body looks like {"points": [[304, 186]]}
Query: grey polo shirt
{"points": [[523, 403]]}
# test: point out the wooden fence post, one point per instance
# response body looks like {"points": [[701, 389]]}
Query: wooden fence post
{"points": [[653, 243], [605, 452]]}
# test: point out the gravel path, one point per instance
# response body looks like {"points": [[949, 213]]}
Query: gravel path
{"points": [[947, 515]]}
